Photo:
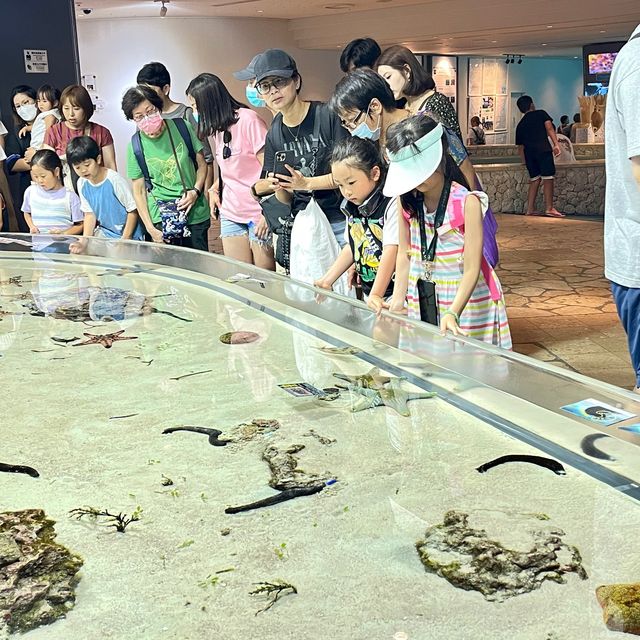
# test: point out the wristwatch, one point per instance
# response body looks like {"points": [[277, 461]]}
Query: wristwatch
{"points": [[197, 191]]}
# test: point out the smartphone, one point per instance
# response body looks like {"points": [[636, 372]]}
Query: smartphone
{"points": [[281, 158]]}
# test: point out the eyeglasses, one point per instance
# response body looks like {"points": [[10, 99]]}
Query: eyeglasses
{"points": [[264, 88], [226, 139], [351, 124], [148, 114]]}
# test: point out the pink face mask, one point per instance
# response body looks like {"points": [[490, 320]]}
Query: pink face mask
{"points": [[150, 124]]}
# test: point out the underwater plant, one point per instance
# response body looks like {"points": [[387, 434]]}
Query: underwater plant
{"points": [[119, 521], [273, 589]]}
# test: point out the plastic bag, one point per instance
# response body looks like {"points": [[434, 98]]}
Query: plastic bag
{"points": [[314, 248]]}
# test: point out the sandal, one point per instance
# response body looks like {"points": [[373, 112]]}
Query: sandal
{"points": [[554, 214]]}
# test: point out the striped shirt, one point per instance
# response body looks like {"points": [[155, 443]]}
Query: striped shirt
{"points": [[56, 209]]}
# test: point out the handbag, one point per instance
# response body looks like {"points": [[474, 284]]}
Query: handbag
{"points": [[174, 221], [427, 297]]}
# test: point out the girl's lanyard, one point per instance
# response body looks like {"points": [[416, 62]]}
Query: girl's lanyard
{"points": [[429, 253]]}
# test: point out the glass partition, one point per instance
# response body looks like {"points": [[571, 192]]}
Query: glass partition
{"points": [[201, 394]]}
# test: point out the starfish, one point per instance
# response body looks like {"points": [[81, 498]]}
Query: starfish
{"points": [[17, 280], [370, 380], [392, 395], [340, 351], [106, 340], [4, 314]]}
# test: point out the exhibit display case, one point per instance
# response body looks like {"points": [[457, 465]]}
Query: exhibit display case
{"points": [[195, 448]]}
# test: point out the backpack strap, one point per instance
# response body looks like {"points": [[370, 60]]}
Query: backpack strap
{"points": [[181, 125], [136, 145]]}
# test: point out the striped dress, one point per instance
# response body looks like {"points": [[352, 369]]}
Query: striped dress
{"points": [[485, 316]]}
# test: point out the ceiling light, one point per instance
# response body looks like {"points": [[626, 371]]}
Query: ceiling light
{"points": [[494, 41], [520, 60], [603, 31], [544, 44], [340, 5], [163, 9], [549, 26]]}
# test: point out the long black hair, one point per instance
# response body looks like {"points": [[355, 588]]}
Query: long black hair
{"points": [[28, 91], [217, 108], [406, 133]]}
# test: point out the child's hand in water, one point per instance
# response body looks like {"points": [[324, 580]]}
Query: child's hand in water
{"points": [[376, 303], [449, 322]]}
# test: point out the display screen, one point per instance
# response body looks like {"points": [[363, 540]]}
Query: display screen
{"points": [[601, 62]]}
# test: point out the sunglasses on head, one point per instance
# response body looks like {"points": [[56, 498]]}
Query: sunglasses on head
{"points": [[226, 151]]}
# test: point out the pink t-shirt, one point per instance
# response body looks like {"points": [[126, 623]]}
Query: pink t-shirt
{"points": [[241, 169]]}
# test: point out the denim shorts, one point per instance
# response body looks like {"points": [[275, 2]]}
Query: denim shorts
{"points": [[230, 228]]}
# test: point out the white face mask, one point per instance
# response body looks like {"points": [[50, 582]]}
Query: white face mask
{"points": [[27, 112]]}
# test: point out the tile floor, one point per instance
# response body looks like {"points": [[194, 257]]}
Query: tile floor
{"points": [[559, 304]]}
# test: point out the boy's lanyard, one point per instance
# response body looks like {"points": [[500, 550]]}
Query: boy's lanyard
{"points": [[429, 254]]}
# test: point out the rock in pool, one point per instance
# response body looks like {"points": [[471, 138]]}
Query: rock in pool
{"points": [[620, 607], [239, 337]]}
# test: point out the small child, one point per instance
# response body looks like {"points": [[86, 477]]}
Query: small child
{"points": [[105, 196], [441, 271], [532, 137], [475, 135], [48, 100], [372, 221], [48, 207]]}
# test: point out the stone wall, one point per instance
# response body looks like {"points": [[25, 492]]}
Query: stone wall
{"points": [[581, 151], [579, 188]]}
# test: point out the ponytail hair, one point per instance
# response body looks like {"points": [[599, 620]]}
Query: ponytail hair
{"points": [[48, 160], [360, 154]]}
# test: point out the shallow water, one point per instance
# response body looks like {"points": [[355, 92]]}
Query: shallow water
{"points": [[90, 420]]}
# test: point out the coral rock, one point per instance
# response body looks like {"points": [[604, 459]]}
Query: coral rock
{"points": [[467, 558], [620, 607], [37, 575]]}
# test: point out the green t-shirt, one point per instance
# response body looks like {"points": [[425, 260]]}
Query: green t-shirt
{"points": [[164, 173]]}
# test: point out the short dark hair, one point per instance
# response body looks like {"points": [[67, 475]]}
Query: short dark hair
{"points": [[50, 93], [564, 119], [576, 118], [217, 108], [475, 121], [28, 91], [47, 159], [397, 57], [358, 153], [136, 95], [155, 74], [361, 52], [78, 96], [82, 148], [524, 103], [357, 89]]}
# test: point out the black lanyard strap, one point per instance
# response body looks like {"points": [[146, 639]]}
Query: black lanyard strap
{"points": [[429, 254]]}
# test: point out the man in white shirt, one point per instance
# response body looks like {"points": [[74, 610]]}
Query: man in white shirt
{"points": [[622, 203]]}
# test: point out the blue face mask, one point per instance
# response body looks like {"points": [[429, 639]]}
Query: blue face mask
{"points": [[196, 116], [253, 97], [363, 131]]}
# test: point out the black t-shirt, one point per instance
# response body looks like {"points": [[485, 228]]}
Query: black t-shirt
{"points": [[300, 140], [531, 131]]}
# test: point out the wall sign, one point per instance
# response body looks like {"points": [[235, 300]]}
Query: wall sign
{"points": [[36, 61]]}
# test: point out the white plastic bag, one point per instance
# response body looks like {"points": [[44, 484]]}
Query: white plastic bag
{"points": [[314, 248]]}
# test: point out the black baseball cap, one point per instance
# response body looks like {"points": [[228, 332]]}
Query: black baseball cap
{"points": [[249, 72], [274, 62]]}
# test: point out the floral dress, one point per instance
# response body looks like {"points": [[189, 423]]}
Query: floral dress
{"points": [[485, 315]]}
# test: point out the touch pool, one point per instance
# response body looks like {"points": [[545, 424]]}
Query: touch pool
{"points": [[120, 396]]}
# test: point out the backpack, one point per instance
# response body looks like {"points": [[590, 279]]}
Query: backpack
{"points": [[136, 144], [478, 132]]}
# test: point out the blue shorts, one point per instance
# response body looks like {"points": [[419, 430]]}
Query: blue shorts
{"points": [[627, 301], [230, 228]]}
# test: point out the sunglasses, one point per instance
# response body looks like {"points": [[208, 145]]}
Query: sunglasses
{"points": [[263, 88], [226, 151]]}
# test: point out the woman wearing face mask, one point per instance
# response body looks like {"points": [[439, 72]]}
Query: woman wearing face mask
{"points": [[248, 74], [237, 133], [174, 210], [25, 111], [76, 109], [366, 106]]}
